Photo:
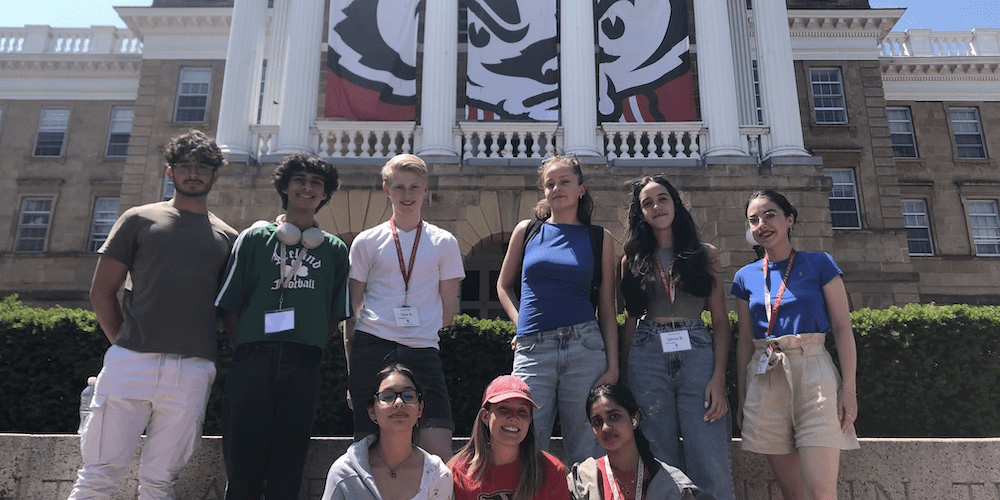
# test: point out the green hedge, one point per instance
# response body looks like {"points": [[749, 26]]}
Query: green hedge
{"points": [[924, 370]]}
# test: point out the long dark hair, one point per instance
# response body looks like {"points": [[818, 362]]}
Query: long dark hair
{"points": [[690, 262], [584, 209], [620, 395]]}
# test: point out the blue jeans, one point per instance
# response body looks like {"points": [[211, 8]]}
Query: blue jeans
{"points": [[267, 418], [560, 366], [670, 390]]}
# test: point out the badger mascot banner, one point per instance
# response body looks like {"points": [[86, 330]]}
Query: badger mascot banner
{"points": [[644, 67], [372, 59], [513, 70]]}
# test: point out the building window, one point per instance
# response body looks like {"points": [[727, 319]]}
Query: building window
{"points": [[844, 211], [120, 130], [904, 143], [918, 229], [828, 95], [985, 227], [968, 133], [192, 94], [52, 125], [105, 214], [168, 187], [33, 225]]}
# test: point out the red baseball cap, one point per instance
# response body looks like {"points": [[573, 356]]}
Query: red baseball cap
{"points": [[507, 387]]}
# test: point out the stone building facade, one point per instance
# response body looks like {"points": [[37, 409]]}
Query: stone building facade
{"points": [[859, 183]]}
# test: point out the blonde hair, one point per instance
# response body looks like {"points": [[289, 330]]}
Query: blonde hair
{"points": [[413, 163]]}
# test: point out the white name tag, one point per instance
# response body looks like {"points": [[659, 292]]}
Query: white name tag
{"points": [[406, 316], [279, 321], [675, 341]]}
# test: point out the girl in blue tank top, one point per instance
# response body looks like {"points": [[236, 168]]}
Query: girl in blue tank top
{"points": [[561, 349]]}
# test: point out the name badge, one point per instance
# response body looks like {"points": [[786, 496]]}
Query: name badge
{"points": [[764, 361], [406, 316], [279, 321], [675, 341]]}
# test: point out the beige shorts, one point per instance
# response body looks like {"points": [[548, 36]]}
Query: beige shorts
{"points": [[794, 403]]}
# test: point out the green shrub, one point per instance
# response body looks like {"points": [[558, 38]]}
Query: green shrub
{"points": [[923, 370]]}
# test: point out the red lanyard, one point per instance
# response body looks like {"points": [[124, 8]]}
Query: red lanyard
{"points": [[399, 252], [668, 284], [773, 310]]}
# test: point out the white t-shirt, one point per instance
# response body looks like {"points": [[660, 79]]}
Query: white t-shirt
{"points": [[375, 262]]}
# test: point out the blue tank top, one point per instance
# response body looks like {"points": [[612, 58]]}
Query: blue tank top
{"points": [[556, 273]]}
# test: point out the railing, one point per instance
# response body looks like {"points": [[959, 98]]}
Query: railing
{"points": [[927, 43], [653, 140], [43, 39], [343, 139], [508, 139]]}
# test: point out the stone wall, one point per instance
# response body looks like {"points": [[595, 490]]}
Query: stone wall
{"points": [[44, 466]]}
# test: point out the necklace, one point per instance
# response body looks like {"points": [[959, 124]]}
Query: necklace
{"points": [[392, 470], [614, 482]]}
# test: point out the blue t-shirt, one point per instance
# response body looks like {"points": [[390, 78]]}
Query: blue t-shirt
{"points": [[803, 307], [556, 273]]}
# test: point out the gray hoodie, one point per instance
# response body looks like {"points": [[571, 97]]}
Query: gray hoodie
{"points": [[350, 477]]}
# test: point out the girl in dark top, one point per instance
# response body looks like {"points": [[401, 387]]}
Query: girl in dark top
{"points": [[676, 369], [561, 349]]}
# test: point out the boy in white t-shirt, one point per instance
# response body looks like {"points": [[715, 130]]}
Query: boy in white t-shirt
{"points": [[404, 281]]}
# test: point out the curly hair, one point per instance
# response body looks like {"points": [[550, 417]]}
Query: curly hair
{"points": [[584, 209], [194, 144], [312, 164], [690, 261]]}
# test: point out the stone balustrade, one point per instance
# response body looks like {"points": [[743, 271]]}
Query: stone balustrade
{"points": [[43, 39], [927, 43]]}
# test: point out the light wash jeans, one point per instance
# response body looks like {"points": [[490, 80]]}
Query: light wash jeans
{"points": [[670, 390], [560, 366]]}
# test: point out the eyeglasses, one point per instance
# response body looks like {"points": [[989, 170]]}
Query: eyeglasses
{"points": [[768, 217], [408, 397], [194, 168]]}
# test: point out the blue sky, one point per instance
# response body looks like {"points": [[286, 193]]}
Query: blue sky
{"points": [[941, 15]]}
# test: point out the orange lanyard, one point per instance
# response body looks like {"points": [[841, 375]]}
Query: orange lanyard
{"points": [[399, 253], [772, 311], [668, 284]]}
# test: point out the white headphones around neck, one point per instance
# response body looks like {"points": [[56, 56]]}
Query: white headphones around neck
{"points": [[290, 235]]}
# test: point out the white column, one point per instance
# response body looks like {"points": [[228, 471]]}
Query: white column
{"points": [[578, 79], [304, 31], [777, 79], [717, 79], [239, 92], [438, 90], [274, 81], [742, 61]]}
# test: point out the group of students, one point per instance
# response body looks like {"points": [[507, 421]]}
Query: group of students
{"points": [[286, 285], [651, 406]]}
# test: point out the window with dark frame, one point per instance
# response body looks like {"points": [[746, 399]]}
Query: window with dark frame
{"points": [[918, 229], [192, 95], [985, 225], [105, 215], [52, 124], [844, 210], [829, 104], [904, 142], [119, 131], [33, 225], [968, 132]]}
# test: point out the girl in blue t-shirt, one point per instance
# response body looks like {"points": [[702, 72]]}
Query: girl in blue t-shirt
{"points": [[793, 405], [561, 349]]}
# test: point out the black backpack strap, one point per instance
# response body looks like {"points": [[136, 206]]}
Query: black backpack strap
{"points": [[597, 249], [534, 227]]}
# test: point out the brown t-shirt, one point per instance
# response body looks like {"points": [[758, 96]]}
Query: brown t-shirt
{"points": [[175, 259], [685, 305]]}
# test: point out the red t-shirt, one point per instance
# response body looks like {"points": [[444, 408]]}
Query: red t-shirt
{"points": [[628, 479], [502, 481]]}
